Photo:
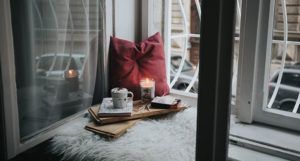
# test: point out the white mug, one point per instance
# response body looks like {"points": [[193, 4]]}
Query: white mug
{"points": [[120, 97]]}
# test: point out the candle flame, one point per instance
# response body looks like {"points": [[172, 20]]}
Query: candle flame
{"points": [[71, 73], [147, 82]]}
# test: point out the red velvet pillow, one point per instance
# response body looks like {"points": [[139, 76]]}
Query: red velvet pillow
{"points": [[130, 62]]}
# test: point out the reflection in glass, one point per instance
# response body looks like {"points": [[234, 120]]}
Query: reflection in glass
{"points": [[57, 43]]}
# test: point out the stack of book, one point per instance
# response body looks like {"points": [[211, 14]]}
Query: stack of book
{"points": [[107, 109], [113, 122]]}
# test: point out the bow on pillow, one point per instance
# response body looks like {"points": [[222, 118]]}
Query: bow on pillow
{"points": [[130, 62]]}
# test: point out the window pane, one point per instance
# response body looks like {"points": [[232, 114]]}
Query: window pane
{"points": [[284, 75], [56, 46], [185, 45]]}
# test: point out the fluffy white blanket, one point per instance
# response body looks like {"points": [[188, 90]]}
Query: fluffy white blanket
{"points": [[170, 138]]}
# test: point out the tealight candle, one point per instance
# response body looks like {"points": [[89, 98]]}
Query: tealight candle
{"points": [[147, 89], [71, 73], [71, 76]]}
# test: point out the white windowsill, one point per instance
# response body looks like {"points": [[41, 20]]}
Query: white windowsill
{"points": [[272, 140], [256, 140], [238, 153]]}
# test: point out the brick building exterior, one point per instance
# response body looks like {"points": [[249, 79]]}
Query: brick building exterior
{"points": [[293, 15]]}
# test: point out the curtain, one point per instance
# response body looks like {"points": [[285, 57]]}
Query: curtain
{"points": [[57, 45]]}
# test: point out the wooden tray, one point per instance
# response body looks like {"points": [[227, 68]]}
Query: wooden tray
{"points": [[138, 112], [111, 130]]}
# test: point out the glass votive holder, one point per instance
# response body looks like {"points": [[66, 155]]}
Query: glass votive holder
{"points": [[72, 78], [147, 89]]}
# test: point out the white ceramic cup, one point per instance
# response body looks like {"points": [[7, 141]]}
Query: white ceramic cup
{"points": [[120, 97]]}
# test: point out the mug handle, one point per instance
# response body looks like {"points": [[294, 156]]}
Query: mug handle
{"points": [[130, 94]]}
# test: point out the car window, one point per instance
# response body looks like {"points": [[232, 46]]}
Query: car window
{"points": [[291, 79], [61, 63], [73, 65], [79, 62], [45, 62]]}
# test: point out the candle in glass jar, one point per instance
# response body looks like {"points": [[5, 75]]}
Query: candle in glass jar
{"points": [[71, 73], [147, 89], [71, 77]]}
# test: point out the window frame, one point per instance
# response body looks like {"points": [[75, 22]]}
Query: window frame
{"points": [[252, 87], [244, 113], [211, 144], [253, 70], [14, 145]]}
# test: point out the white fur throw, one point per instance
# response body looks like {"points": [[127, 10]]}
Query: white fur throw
{"points": [[170, 138]]}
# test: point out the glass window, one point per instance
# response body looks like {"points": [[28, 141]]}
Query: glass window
{"points": [[284, 57], [56, 45], [184, 45]]}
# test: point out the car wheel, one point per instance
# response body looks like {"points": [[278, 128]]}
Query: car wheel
{"points": [[193, 90], [287, 106], [182, 86]]}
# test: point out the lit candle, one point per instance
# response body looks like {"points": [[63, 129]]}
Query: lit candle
{"points": [[147, 89], [71, 73], [71, 76]]}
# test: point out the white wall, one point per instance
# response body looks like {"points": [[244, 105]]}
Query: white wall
{"points": [[127, 19]]}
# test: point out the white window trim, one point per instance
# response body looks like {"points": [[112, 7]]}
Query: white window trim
{"points": [[13, 140], [245, 80], [253, 78], [147, 19], [167, 34]]}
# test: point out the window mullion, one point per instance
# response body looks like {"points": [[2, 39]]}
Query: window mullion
{"points": [[247, 54], [167, 35]]}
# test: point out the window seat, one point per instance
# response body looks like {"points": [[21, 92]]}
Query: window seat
{"points": [[169, 138]]}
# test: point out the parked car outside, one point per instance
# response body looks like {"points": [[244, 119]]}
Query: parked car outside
{"points": [[288, 89], [58, 62], [186, 74]]}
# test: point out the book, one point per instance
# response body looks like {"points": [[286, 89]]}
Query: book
{"points": [[165, 102], [139, 111], [107, 109], [110, 130]]}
